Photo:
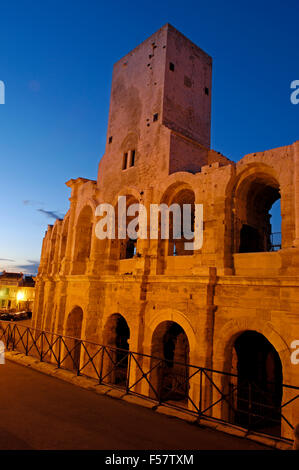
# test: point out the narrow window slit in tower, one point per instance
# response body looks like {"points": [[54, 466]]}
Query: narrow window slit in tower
{"points": [[110, 139], [155, 117], [132, 158], [125, 161], [206, 91], [171, 66]]}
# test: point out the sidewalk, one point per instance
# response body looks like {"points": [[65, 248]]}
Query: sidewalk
{"points": [[93, 385]]}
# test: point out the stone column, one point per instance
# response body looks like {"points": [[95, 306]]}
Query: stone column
{"points": [[66, 263], [55, 261]]}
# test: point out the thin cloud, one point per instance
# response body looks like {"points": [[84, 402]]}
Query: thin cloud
{"points": [[7, 259], [30, 268], [51, 214], [29, 202], [30, 261]]}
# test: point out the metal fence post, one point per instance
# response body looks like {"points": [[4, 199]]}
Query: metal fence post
{"points": [[102, 364], [200, 394], [26, 347], [14, 337], [77, 356], [41, 347], [59, 352], [8, 336], [128, 373]]}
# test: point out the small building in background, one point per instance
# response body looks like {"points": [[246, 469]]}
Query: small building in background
{"points": [[17, 291]]}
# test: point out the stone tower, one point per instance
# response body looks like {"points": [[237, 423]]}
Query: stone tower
{"points": [[160, 109]]}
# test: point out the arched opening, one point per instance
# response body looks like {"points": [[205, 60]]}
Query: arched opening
{"points": [[83, 241], [73, 332], [258, 386], [122, 246], [170, 351], [180, 202], [275, 214], [128, 246], [116, 339], [257, 217], [176, 247]]}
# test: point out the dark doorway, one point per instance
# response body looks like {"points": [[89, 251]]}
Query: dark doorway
{"points": [[259, 383], [73, 339], [116, 338], [170, 375]]}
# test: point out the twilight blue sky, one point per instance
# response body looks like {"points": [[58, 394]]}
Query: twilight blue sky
{"points": [[56, 60]]}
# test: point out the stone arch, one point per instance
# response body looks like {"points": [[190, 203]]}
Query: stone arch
{"points": [[123, 248], [258, 391], [232, 329], [129, 191], [177, 194], [177, 179], [83, 237], [74, 322], [73, 336], [130, 141], [171, 190], [169, 362], [176, 317], [225, 360], [116, 336], [92, 203], [252, 194]]}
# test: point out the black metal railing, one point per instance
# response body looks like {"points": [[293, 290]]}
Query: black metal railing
{"points": [[201, 391]]}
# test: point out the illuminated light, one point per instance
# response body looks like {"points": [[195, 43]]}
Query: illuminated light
{"points": [[20, 296]]}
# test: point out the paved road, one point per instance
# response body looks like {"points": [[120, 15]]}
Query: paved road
{"points": [[41, 412]]}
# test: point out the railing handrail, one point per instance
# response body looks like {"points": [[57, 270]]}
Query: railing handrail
{"points": [[158, 358]]}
